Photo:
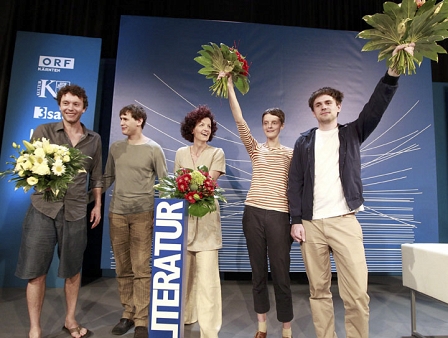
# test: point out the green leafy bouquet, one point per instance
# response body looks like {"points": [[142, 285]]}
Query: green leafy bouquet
{"points": [[196, 186], [413, 21], [46, 167], [216, 59]]}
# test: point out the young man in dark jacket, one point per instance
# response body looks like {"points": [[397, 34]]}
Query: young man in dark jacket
{"points": [[325, 192]]}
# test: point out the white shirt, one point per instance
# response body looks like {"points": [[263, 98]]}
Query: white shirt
{"points": [[329, 200]]}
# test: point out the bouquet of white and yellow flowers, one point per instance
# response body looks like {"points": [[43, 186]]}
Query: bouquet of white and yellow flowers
{"points": [[216, 59], [195, 186], [417, 22], [46, 167]]}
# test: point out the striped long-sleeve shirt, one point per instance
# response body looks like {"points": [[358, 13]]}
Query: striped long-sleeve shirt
{"points": [[270, 167]]}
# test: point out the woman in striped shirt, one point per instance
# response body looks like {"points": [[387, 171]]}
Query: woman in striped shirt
{"points": [[266, 222]]}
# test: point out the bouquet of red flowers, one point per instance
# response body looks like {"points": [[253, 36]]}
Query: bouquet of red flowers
{"points": [[216, 59], [196, 186]]}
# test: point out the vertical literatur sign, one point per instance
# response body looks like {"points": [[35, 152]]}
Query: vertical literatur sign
{"points": [[168, 262]]}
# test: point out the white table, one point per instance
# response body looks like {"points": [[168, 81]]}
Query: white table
{"points": [[425, 270]]}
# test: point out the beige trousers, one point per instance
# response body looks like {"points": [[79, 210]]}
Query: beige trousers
{"points": [[203, 302], [131, 238], [342, 237]]}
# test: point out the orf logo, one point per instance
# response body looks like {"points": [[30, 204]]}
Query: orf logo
{"points": [[56, 62]]}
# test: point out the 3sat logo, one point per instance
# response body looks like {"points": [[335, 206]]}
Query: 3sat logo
{"points": [[44, 113]]}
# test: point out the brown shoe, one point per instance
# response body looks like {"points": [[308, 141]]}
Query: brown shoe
{"points": [[141, 332], [260, 334]]}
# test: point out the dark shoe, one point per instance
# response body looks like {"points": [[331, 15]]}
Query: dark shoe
{"points": [[123, 326], [141, 332], [260, 334]]}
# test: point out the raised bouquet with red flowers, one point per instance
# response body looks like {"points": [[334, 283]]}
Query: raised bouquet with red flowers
{"points": [[216, 59], [196, 186], [420, 22]]}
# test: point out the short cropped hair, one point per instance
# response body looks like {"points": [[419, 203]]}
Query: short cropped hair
{"points": [[276, 112], [137, 112], [334, 93]]}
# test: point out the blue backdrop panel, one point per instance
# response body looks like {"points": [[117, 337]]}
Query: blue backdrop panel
{"points": [[155, 68], [42, 64]]}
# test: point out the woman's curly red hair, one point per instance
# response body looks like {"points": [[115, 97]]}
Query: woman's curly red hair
{"points": [[193, 118]]}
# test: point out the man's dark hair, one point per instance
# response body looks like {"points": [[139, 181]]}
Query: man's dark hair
{"points": [[74, 90], [334, 93], [137, 113]]}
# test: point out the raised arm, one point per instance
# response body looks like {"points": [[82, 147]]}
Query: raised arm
{"points": [[233, 101]]}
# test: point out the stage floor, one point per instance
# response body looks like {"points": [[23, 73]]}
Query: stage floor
{"points": [[99, 310]]}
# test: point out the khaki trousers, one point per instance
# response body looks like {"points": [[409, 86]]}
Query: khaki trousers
{"points": [[131, 238], [341, 236], [203, 302]]}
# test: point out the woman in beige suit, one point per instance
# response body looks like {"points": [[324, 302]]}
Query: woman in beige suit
{"points": [[203, 296]]}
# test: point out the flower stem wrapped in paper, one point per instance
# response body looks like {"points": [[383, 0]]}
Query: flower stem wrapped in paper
{"points": [[46, 167], [196, 186], [216, 59], [418, 22]]}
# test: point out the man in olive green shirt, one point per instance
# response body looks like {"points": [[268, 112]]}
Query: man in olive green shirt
{"points": [[133, 164]]}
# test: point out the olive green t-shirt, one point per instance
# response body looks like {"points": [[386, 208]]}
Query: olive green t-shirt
{"points": [[133, 168]]}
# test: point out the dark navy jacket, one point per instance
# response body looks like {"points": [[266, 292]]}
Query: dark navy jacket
{"points": [[351, 136]]}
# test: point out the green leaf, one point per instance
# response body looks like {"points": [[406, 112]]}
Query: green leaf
{"points": [[430, 54], [224, 48], [429, 50], [200, 209], [203, 168], [409, 7], [205, 53], [203, 61], [428, 5], [418, 57], [376, 44], [442, 25], [242, 84], [385, 53], [374, 34], [393, 10], [421, 25], [206, 71], [384, 24], [435, 37], [443, 8]]}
